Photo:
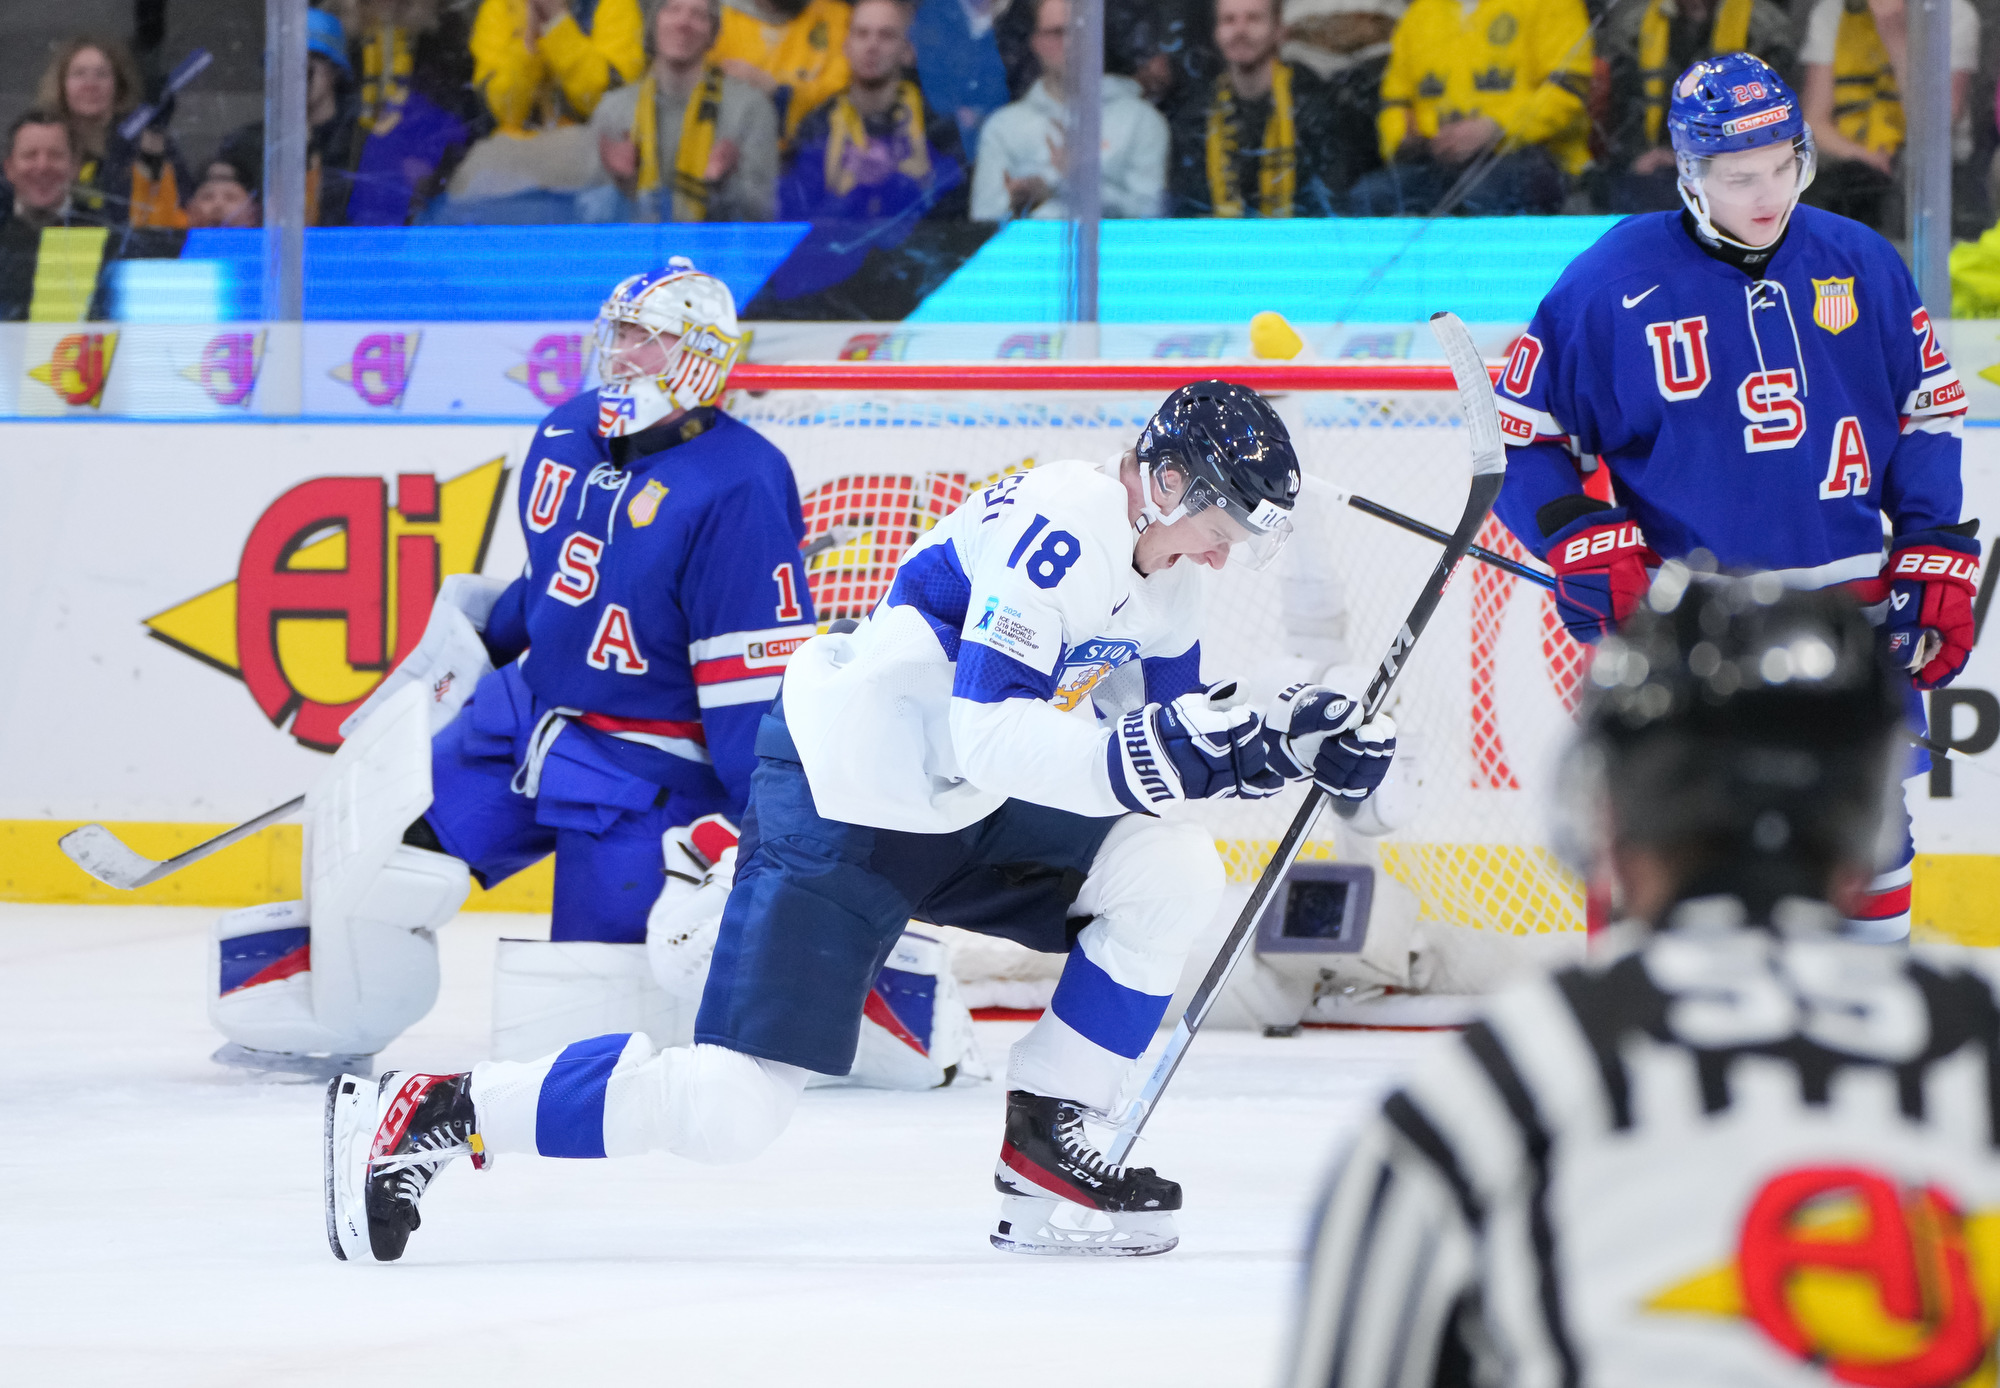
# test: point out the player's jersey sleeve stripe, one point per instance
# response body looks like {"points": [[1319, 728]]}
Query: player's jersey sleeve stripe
{"points": [[1952, 425], [761, 650], [1939, 394], [933, 581], [1170, 676], [738, 691], [1524, 424], [987, 676]]}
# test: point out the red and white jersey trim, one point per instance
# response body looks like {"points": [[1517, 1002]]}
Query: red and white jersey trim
{"points": [[742, 667], [687, 740], [1523, 424], [1936, 406]]}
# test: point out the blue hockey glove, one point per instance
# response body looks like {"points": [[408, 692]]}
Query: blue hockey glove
{"points": [[1299, 723], [1351, 765], [1199, 747]]}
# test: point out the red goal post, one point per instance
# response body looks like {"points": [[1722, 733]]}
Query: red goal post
{"points": [[884, 449]]}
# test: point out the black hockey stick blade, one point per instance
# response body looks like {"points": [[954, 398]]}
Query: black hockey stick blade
{"points": [[106, 857], [1489, 465]]}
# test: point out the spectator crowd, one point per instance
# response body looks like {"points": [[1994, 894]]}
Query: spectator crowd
{"points": [[897, 112]]}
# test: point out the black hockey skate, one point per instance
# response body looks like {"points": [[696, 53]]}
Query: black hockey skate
{"points": [[384, 1143], [1059, 1195]]}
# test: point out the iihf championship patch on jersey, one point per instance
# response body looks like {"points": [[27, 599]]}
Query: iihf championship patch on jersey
{"points": [[1834, 307], [1086, 667], [646, 505], [1010, 631]]}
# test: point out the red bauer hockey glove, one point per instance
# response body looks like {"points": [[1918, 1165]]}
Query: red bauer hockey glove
{"points": [[1933, 577], [1600, 561]]}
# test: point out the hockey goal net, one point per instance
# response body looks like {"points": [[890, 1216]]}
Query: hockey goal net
{"points": [[884, 450]]}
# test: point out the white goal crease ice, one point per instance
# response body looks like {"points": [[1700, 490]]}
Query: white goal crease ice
{"points": [[1489, 692]]}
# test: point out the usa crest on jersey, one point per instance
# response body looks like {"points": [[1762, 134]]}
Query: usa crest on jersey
{"points": [[1834, 307]]}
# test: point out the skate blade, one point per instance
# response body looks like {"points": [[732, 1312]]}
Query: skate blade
{"points": [[351, 1107], [1061, 1228], [285, 1067]]}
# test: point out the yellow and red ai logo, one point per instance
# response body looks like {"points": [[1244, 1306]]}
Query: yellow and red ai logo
{"points": [[77, 367], [333, 587], [1881, 1284]]}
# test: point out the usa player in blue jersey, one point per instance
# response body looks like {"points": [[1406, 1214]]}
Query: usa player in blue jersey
{"points": [[965, 758], [615, 691], [1761, 382]]}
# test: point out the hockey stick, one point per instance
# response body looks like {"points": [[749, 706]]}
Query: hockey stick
{"points": [[1489, 465], [1429, 532], [104, 856], [1536, 576]]}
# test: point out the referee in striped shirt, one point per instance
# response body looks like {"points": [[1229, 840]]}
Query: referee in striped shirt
{"points": [[1734, 1148]]}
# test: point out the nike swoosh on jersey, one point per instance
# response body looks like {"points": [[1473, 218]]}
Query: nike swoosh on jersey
{"points": [[551, 432], [1633, 300]]}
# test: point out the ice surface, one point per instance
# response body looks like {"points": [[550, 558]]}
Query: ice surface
{"points": [[162, 1216]]}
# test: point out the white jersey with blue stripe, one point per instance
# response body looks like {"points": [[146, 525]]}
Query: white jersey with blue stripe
{"points": [[971, 682]]}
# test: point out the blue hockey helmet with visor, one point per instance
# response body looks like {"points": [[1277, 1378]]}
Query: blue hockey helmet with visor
{"points": [[1726, 104], [1235, 461]]}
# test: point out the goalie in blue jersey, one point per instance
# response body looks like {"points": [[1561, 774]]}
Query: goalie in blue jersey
{"points": [[1762, 383]]}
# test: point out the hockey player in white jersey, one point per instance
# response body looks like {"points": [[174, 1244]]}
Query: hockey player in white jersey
{"points": [[1736, 1147], [945, 762]]}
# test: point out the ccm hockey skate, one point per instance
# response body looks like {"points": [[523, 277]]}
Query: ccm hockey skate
{"points": [[1058, 1195], [384, 1143]]}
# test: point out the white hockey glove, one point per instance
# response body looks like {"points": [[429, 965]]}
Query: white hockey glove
{"points": [[451, 658], [1299, 723], [1199, 747], [681, 928]]}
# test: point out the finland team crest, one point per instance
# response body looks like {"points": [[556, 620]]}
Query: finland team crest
{"points": [[1834, 307]]}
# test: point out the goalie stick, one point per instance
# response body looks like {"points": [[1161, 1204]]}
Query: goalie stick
{"points": [[1489, 465], [106, 857]]}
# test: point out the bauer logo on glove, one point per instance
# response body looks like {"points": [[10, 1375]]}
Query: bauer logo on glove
{"points": [[1933, 580]]}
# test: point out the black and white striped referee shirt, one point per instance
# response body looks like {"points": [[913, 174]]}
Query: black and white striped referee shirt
{"points": [[1721, 1159]]}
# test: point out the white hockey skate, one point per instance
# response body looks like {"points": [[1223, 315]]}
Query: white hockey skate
{"points": [[384, 1143], [1058, 1195]]}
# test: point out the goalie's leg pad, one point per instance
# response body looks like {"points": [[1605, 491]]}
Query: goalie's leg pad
{"points": [[1152, 886], [916, 1032], [612, 1096], [264, 961], [546, 993]]}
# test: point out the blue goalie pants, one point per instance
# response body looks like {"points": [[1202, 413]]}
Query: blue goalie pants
{"points": [[602, 821]]}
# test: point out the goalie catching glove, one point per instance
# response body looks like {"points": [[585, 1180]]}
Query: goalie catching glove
{"points": [[1204, 746], [1319, 732]]}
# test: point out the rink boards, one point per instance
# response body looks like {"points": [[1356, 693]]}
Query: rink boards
{"points": [[193, 607]]}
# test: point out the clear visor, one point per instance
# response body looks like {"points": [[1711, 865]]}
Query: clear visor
{"points": [[1254, 539]]}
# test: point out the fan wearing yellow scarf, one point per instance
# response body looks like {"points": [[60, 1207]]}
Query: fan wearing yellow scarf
{"points": [[1647, 43], [875, 152], [1256, 142], [686, 143]]}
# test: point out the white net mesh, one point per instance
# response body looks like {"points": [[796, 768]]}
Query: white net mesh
{"points": [[1485, 700]]}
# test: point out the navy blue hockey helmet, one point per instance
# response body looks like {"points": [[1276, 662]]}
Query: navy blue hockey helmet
{"points": [[1234, 454], [1728, 103]]}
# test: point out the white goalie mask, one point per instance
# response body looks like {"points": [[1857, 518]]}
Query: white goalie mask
{"points": [[679, 358]]}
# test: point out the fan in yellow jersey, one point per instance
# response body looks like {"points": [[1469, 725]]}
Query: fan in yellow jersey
{"points": [[1462, 80], [542, 63], [791, 50]]}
